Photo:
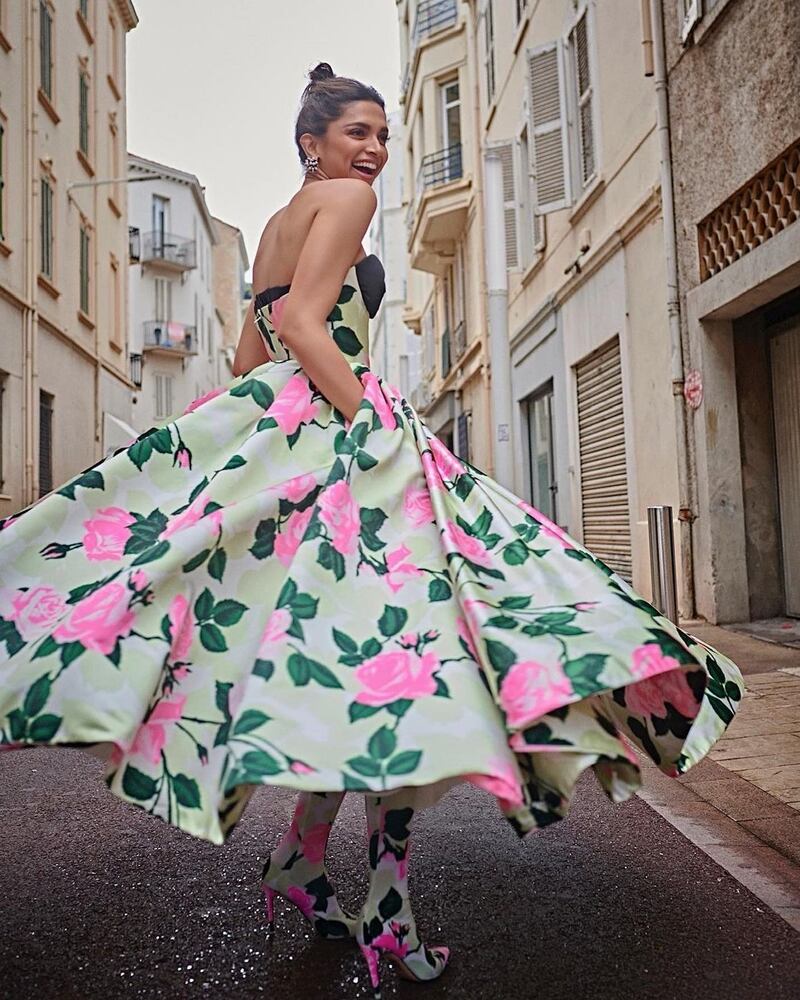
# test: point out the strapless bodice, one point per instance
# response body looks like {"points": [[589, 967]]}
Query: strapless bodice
{"points": [[348, 321]]}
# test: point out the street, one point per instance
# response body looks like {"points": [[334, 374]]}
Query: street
{"points": [[101, 901]]}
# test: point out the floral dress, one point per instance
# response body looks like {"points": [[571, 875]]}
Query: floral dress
{"points": [[259, 591]]}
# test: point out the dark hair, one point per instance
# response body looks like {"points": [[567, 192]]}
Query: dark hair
{"points": [[324, 99]]}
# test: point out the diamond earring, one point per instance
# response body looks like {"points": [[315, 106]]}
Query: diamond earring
{"points": [[311, 163]]}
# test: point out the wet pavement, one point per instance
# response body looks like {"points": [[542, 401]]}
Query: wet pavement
{"points": [[99, 901]]}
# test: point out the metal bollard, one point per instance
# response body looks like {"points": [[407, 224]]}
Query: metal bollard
{"points": [[662, 561]]}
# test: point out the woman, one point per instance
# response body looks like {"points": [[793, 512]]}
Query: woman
{"points": [[295, 583]]}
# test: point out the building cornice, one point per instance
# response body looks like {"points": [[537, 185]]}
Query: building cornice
{"points": [[179, 177], [128, 13]]}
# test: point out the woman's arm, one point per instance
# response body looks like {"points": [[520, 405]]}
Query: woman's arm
{"points": [[334, 239], [250, 351]]}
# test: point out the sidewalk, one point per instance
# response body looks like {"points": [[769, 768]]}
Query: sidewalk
{"points": [[752, 775]]}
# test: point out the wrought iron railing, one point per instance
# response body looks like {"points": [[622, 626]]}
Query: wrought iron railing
{"points": [[446, 359], [440, 167], [168, 247], [431, 16], [169, 335]]}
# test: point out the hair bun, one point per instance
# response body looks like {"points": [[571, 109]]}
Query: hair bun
{"points": [[322, 71]]}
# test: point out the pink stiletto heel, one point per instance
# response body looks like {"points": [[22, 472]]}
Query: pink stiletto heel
{"points": [[421, 966], [269, 901]]}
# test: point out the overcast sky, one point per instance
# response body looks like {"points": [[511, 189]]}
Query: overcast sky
{"points": [[214, 88]]}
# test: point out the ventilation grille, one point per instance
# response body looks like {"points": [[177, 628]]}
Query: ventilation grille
{"points": [[761, 209]]}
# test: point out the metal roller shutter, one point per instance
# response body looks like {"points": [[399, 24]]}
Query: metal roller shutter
{"points": [[604, 478]]}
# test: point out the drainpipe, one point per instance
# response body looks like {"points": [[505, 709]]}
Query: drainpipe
{"points": [[29, 328], [686, 472], [497, 292]]}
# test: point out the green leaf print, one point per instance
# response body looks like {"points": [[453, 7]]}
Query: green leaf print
{"points": [[150, 555], [212, 638], [482, 524], [439, 590], [404, 763], [671, 647], [371, 647], [13, 640], [304, 606], [37, 696], [390, 905], [372, 518], [260, 763], [715, 670], [342, 444], [365, 461], [228, 612], [721, 709], [137, 785], [264, 669], [287, 593], [196, 561], [186, 791], [400, 707], [442, 690], [352, 784], [392, 620], [329, 558], [344, 642], [358, 711], [222, 693], [216, 565], [584, 672], [144, 531], [299, 667], [92, 480], [69, 652], [140, 452], [515, 553], [346, 340], [733, 691], [500, 656], [18, 723], [323, 676], [382, 743], [515, 603], [554, 618], [464, 485], [162, 440], [204, 605], [346, 294], [264, 544], [365, 765], [198, 489], [502, 621], [249, 720], [335, 315], [266, 423], [234, 462]]}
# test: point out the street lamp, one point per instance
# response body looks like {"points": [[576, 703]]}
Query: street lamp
{"points": [[136, 369]]}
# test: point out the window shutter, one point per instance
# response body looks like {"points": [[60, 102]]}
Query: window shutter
{"points": [[548, 128], [168, 395], [584, 93], [691, 11], [158, 381], [506, 150]]}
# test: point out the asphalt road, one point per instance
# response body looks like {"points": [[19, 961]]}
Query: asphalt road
{"points": [[99, 901]]}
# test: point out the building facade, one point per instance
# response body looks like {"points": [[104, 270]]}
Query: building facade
{"points": [[232, 292], [395, 350], [174, 326], [65, 389], [734, 75]]}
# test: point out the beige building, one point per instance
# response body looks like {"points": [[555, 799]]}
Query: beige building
{"points": [[64, 369], [444, 300], [734, 76], [545, 233], [231, 290]]}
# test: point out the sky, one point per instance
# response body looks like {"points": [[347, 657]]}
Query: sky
{"points": [[214, 88]]}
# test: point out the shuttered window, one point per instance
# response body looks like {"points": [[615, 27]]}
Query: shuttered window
{"points": [[488, 44], [547, 127], [85, 269], [462, 435], [83, 114], [46, 49], [45, 443], [46, 229], [163, 395], [690, 11], [510, 206], [603, 470], [531, 231], [584, 98]]}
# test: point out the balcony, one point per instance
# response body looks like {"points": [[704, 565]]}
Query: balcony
{"points": [[442, 205], [167, 338], [446, 359], [167, 251], [432, 16]]}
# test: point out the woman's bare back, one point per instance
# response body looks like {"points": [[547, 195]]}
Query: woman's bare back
{"points": [[283, 238]]}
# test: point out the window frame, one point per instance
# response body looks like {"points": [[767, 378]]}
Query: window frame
{"points": [[46, 411], [85, 268], [577, 100], [46, 182], [84, 113], [46, 7], [3, 220], [489, 63], [546, 391]]}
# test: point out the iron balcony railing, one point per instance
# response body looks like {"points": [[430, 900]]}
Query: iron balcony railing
{"points": [[431, 16], [440, 167], [459, 340], [171, 336], [447, 361], [169, 248]]}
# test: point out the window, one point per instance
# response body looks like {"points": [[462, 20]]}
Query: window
{"points": [[488, 44], [113, 161], [210, 335], [115, 302], [510, 207], [85, 268], [83, 6], [689, 12], [113, 55], [584, 103], [163, 290], [45, 443], [83, 113], [2, 180], [451, 113], [46, 49], [160, 224], [163, 395], [531, 231], [541, 466], [46, 228], [463, 427], [520, 8]]}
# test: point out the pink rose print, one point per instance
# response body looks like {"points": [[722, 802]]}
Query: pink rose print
{"points": [[400, 571], [466, 635], [139, 580], [417, 506], [151, 736], [276, 312], [180, 627], [297, 488], [433, 476], [292, 406], [340, 513], [374, 394], [211, 394], [399, 674], [184, 460], [190, 517], [391, 940], [531, 689], [503, 782], [469, 546], [649, 660], [291, 534], [549, 529], [99, 619], [36, 611], [650, 696], [448, 464], [314, 841], [298, 767], [275, 632], [409, 638], [107, 533]]}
